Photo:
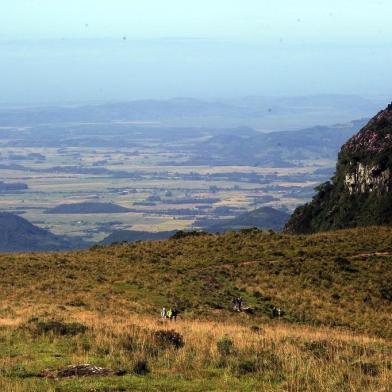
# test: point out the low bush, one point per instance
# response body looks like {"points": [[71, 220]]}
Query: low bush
{"points": [[57, 327], [225, 346], [267, 360], [141, 367], [184, 234], [128, 343], [168, 339], [256, 329], [77, 302], [369, 369], [246, 367], [318, 348]]}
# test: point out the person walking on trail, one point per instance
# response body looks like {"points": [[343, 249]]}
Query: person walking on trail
{"points": [[169, 314], [174, 314], [236, 304], [240, 304], [164, 313]]}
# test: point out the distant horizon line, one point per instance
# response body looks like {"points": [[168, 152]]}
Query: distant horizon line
{"points": [[8, 105]]}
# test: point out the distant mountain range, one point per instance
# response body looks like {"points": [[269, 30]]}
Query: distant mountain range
{"points": [[12, 187], [274, 149], [201, 145], [262, 113]]}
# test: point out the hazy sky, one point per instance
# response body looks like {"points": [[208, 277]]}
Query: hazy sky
{"points": [[94, 50]]}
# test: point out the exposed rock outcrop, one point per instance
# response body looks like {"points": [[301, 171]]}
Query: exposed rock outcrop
{"points": [[360, 193], [80, 370], [367, 178]]}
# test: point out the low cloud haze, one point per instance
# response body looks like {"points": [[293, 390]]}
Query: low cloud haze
{"points": [[58, 52]]}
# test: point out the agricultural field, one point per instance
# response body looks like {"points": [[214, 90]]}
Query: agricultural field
{"points": [[167, 179]]}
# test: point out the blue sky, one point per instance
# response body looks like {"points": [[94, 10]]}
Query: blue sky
{"points": [[74, 50], [352, 20]]}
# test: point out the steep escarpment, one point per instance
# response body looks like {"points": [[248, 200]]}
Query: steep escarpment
{"points": [[360, 193]]}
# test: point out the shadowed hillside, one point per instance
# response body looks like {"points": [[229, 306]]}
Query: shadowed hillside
{"points": [[18, 235], [261, 218], [87, 208]]}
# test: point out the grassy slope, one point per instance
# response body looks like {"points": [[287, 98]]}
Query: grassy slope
{"points": [[335, 289]]}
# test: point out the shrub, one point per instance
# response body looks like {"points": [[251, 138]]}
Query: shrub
{"points": [[18, 371], [318, 348], [215, 305], [168, 339], [128, 343], [343, 264], [255, 329], [245, 367], [77, 302], [184, 234], [335, 296], [86, 345], [103, 350], [261, 297], [267, 360], [369, 369], [250, 230], [141, 367], [58, 328], [225, 346], [386, 292]]}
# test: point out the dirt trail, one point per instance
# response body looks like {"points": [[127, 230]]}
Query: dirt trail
{"points": [[370, 255], [252, 262]]}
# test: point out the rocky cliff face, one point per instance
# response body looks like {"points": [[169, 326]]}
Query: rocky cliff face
{"points": [[360, 193], [367, 155], [368, 178]]}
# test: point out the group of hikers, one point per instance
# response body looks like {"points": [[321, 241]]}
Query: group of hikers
{"points": [[169, 314], [238, 304]]}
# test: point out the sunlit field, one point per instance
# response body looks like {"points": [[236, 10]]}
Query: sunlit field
{"points": [[102, 307]]}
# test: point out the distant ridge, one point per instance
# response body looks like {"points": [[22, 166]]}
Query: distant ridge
{"points": [[261, 218], [19, 235], [87, 208]]}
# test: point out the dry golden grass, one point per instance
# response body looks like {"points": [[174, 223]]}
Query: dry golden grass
{"points": [[335, 335], [285, 357]]}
